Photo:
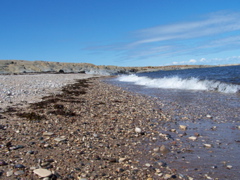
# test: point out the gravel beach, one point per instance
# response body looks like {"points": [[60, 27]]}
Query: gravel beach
{"points": [[94, 130], [23, 89]]}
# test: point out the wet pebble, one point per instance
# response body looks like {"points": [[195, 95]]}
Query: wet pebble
{"points": [[207, 145], [19, 166], [2, 163], [183, 127], [194, 138], [59, 139], [17, 173]]}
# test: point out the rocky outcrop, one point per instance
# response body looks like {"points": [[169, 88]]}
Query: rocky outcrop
{"points": [[22, 66]]}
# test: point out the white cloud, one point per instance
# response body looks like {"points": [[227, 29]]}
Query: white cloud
{"points": [[192, 61], [216, 32], [214, 24]]}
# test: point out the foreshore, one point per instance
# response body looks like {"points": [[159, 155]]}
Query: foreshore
{"points": [[93, 130]]}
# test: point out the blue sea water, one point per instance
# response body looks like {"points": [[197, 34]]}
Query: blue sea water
{"points": [[220, 79]]}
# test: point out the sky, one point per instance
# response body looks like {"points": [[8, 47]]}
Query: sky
{"points": [[121, 32]]}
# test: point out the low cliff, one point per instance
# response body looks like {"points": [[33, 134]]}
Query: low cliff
{"points": [[22, 66]]}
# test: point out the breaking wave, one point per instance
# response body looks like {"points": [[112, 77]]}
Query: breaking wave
{"points": [[176, 82]]}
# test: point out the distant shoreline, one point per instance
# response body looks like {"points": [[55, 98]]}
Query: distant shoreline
{"points": [[41, 67]]}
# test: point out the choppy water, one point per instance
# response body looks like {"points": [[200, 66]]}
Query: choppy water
{"points": [[220, 79], [190, 92]]}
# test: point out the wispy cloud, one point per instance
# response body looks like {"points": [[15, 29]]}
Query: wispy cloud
{"points": [[213, 32], [213, 24]]}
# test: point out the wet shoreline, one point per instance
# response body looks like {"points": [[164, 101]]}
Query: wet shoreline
{"points": [[212, 119]]}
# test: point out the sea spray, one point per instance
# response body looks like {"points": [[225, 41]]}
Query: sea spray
{"points": [[176, 82]]}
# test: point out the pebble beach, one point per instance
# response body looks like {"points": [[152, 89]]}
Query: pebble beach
{"points": [[84, 128]]}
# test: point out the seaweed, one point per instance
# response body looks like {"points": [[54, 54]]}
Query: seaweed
{"points": [[32, 116]]}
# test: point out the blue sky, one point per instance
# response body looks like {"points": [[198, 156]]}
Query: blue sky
{"points": [[121, 32]]}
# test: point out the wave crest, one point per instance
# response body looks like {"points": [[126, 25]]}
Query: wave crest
{"points": [[176, 82]]}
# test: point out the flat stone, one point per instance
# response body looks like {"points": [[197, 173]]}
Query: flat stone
{"points": [[9, 173], [59, 139], [19, 166], [194, 138], [48, 133], [207, 145], [164, 150], [42, 172], [122, 159], [17, 173], [183, 127]]}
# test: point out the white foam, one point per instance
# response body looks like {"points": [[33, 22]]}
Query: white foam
{"points": [[179, 83]]}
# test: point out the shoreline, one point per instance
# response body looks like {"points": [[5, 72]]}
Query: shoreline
{"points": [[95, 130]]}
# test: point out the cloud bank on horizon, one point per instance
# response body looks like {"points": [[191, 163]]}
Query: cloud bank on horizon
{"points": [[212, 34]]}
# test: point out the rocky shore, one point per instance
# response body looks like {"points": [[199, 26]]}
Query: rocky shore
{"points": [[93, 130], [90, 130]]}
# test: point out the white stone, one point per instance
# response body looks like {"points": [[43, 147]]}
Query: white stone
{"points": [[9, 173], [183, 127], [42, 172], [48, 133], [207, 145], [194, 138], [59, 139], [138, 130]]}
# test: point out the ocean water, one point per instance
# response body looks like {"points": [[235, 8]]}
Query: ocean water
{"points": [[190, 93], [220, 79]]}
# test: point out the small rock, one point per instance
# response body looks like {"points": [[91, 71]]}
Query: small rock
{"points": [[30, 152], [156, 149], [48, 133], [2, 163], [59, 139], [183, 127], [19, 166], [138, 130], [162, 164], [167, 176], [42, 172], [209, 116], [164, 150], [148, 165], [16, 147], [229, 166], [194, 138], [9, 173], [122, 160], [207, 145], [17, 173]]}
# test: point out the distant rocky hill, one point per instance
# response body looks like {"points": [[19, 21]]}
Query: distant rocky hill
{"points": [[22, 66]]}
